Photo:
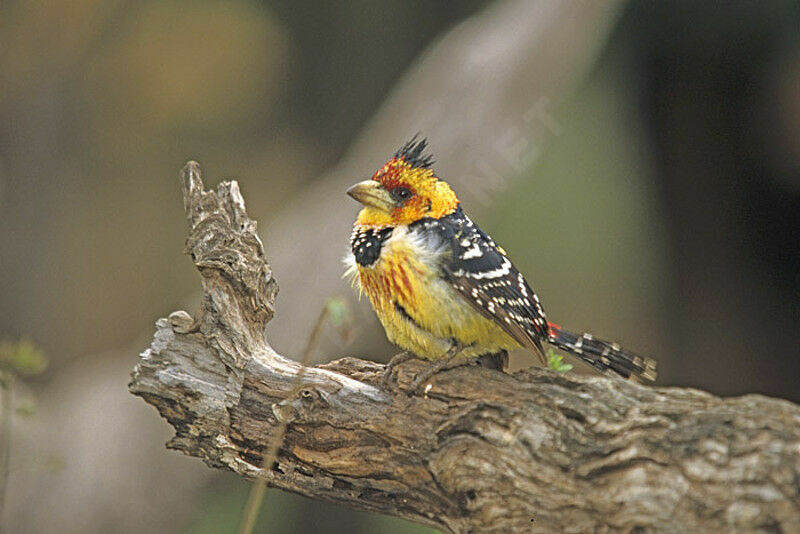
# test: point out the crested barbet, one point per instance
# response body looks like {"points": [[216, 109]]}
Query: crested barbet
{"points": [[441, 287]]}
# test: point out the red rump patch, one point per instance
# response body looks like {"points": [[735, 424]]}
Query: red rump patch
{"points": [[554, 328]]}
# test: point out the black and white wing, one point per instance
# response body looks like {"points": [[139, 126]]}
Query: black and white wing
{"points": [[480, 271]]}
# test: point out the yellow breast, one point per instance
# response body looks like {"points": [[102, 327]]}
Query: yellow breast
{"points": [[419, 310]]}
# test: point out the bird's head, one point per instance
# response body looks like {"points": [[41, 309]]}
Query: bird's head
{"points": [[404, 190]]}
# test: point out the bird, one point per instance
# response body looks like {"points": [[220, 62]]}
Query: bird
{"points": [[442, 289]]}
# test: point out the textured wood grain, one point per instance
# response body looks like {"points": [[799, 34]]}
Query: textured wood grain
{"points": [[483, 451]]}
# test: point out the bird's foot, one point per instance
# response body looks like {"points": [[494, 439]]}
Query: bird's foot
{"points": [[386, 378]]}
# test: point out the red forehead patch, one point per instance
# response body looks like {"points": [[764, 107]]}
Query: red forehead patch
{"points": [[390, 175]]}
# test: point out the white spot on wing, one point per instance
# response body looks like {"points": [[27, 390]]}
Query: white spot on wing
{"points": [[503, 270], [472, 252]]}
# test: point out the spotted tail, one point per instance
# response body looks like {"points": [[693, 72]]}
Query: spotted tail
{"points": [[602, 355]]}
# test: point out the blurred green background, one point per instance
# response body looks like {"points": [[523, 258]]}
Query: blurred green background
{"points": [[660, 205]]}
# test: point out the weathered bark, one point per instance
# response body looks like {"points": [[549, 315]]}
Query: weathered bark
{"points": [[483, 450]]}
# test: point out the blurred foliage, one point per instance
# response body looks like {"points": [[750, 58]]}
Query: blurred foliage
{"points": [[556, 362], [23, 358], [18, 360]]}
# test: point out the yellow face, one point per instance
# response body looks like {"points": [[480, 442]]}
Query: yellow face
{"points": [[401, 194]]}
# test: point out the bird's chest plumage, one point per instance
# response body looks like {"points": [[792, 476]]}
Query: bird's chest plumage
{"points": [[395, 268], [400, 270]]}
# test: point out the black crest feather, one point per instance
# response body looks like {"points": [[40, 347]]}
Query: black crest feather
{"points": [[414, 152]]}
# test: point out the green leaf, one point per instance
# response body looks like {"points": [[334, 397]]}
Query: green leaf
{"points": [[23, 357], [556, 362]]}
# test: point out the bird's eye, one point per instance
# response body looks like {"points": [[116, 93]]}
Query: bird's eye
{"points": [[401, 194]]}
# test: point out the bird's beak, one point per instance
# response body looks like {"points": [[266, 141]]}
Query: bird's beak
{"points": [[372, 194]]}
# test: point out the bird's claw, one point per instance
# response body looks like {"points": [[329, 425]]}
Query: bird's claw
{"points": [[386, 377]]}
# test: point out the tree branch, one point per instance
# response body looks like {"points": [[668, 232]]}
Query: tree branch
{"points": [[484, 451]]}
